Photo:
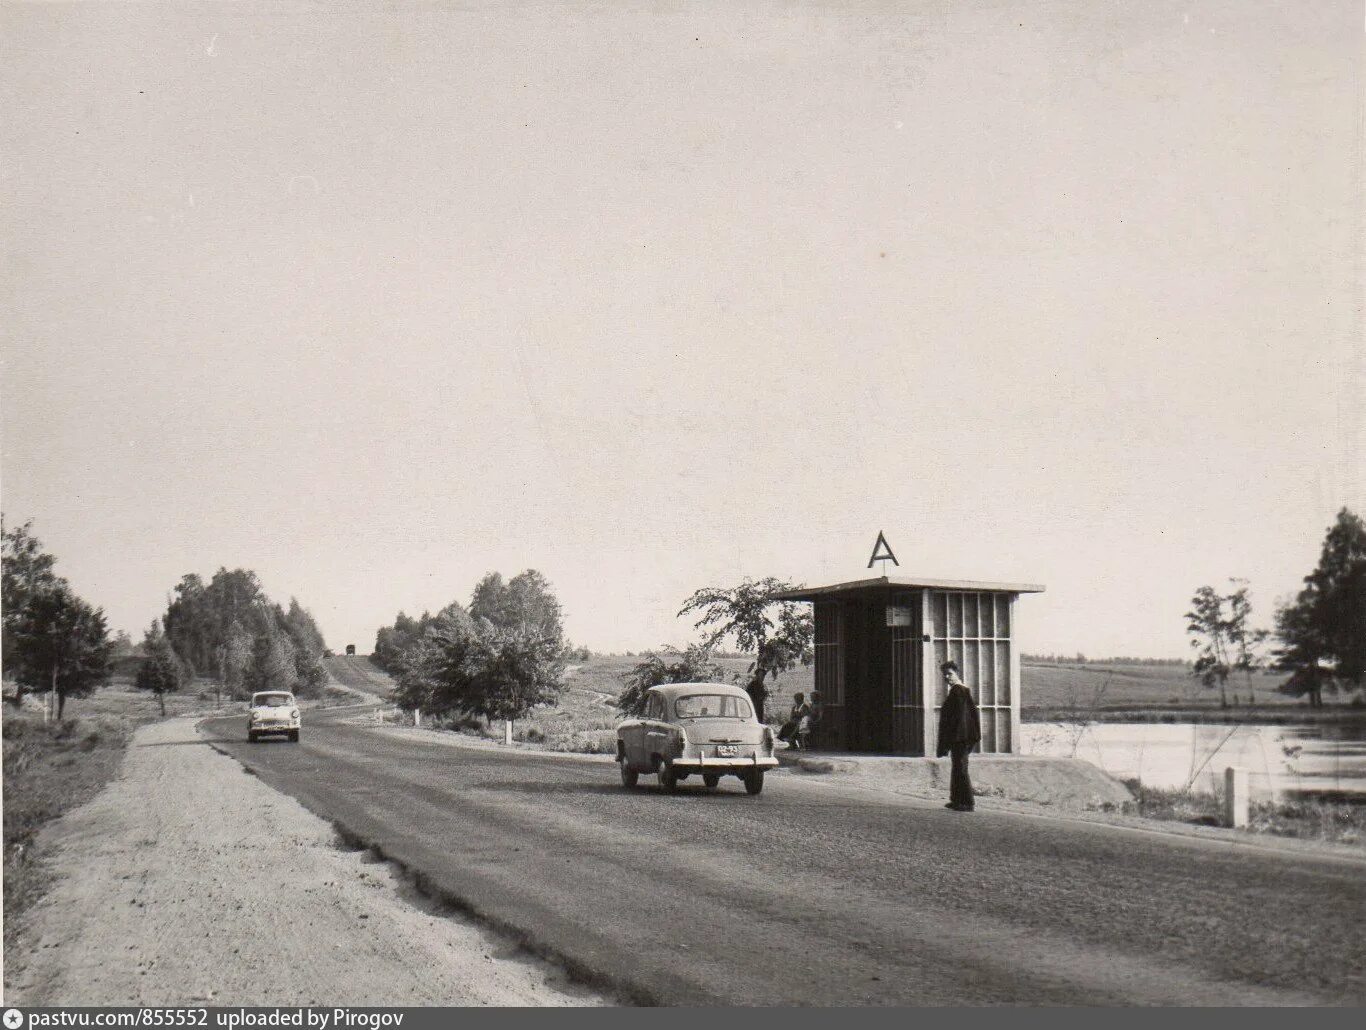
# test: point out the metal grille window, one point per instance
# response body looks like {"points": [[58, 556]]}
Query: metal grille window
{"points": [[829, 655], [973, 629]]}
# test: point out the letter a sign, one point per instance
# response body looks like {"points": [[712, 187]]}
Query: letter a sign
{"points": [[882, 551]]}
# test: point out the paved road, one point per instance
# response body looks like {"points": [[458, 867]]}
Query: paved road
{"points": [[819, 894]]}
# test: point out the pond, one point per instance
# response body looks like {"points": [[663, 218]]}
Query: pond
{"points": [[1285, 762]]}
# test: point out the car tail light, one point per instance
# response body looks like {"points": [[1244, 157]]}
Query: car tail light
{"points": [[680, 742]]}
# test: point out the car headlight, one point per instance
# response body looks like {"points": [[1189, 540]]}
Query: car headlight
{"points": [[294, 714]]}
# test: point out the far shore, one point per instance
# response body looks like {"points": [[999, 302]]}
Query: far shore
{"points": [[1264, 714]]}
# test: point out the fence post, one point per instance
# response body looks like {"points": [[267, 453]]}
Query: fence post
{"points": [[507, 732], [1235, 797], [417, 717]]}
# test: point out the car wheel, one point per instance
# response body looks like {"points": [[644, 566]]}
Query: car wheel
{"points": [[711, 780], [294, 736], [629, 777], [668, 778], [754, 781], [251, 736]]}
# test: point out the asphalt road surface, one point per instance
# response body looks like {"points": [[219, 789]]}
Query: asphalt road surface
{"points": [[820, 894]]}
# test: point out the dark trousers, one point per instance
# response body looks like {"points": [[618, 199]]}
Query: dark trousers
{"points": [[960, 787]]}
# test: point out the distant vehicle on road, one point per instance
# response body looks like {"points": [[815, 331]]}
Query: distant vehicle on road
{"points": [[707, 729], [273, 711], [350, 649]]}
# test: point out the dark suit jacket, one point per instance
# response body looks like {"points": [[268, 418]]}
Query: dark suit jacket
{"points": [[958, 720]]}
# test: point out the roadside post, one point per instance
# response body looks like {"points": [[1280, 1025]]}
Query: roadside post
{"points": [[1235, 797]]}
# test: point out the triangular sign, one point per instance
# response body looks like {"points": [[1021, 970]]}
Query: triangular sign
{"points": [[882, 551]]}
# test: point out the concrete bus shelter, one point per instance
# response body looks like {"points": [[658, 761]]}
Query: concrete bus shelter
{"points": [[879, 644]]}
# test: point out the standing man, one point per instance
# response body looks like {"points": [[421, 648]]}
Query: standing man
{"points": [[960, 730]]}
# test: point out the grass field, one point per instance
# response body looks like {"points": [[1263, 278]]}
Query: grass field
{"points": [[585, 715], [1047, 688]]}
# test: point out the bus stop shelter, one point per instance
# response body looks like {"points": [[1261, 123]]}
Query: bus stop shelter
{"points": [[879, 644]]}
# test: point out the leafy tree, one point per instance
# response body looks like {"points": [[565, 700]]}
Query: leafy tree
{"points": [[778, 634], [1221, 629], [1245, 641], [392, 642], [25, 571], [525, 600], [1323, 631], [271, 666], [61, 644], [122, 645], [521, 668], [237, 652], [466, 667], [308, 646], [1208, 626], [498, 660], [667, 665], [299, 624], [433, 670], [200, 617], [162, 670]]}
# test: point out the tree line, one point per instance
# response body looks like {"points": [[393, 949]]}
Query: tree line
{"points": [[229, 631], [1320, 635], [226, 629], [53, 640]]}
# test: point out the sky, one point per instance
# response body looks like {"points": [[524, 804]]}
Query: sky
{"points": [[374, 299]]}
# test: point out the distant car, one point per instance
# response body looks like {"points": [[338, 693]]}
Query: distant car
{"points": [[273, 711], [707, 729]]}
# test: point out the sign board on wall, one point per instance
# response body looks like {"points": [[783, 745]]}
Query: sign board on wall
{"points": [[898, 615]]}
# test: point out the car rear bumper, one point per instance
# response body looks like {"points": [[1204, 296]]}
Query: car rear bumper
{"points": [[273, 729], [722, 765]]}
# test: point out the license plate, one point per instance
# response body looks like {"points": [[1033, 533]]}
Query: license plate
{"points": [[728, 750]]}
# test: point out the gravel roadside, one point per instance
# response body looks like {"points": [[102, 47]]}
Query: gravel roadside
{"points": [[186, 881]]}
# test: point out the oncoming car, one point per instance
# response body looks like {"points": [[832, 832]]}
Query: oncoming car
{"points": [[273, 711], [708, 729]]}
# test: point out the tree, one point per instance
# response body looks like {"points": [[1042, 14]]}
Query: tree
{"points": [[1323, 631], [25, 572], [272, 664], [162, 671], [61, 644], [123, 645], [200, 617], [237, 652], [1245, 642], [667, 665], [1209, 629], [777, 633], [470, 668], [525, 600]]}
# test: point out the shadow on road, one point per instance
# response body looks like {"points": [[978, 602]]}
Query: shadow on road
{"points": [[686, 791], [202, 741]]}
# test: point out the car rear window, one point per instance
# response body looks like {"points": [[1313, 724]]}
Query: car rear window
{"points": [[272, 700], [712, 706]]}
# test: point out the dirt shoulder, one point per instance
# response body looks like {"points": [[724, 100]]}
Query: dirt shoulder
{"points": [[188, 881]]}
